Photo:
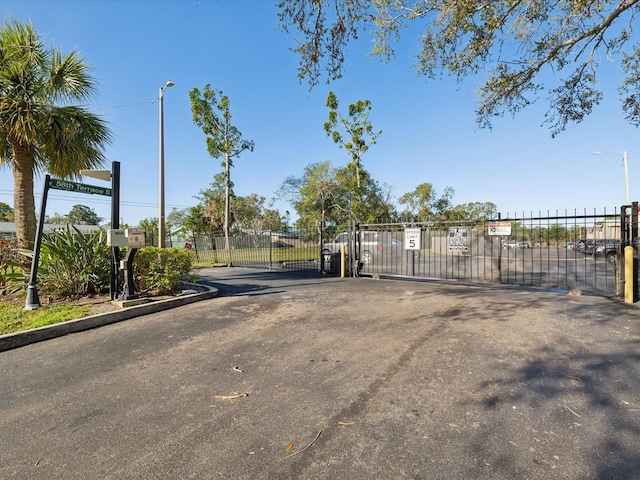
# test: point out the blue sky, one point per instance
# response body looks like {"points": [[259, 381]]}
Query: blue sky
{"points": [[429, 131]]}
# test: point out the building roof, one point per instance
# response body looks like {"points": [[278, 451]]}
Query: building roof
{"points": [[10, 227]]}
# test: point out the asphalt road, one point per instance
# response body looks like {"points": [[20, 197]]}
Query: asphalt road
{"points": [[287, 376]]}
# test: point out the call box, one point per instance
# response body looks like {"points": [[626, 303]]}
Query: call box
{"points": [[136, 237]]}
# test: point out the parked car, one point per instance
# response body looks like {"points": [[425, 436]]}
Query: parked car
{"points": [[607, 248], [514, 244], [373, 244], [579, 245], [586, 246]]}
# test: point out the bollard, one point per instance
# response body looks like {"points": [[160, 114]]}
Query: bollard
{"points": [[629, 275]]}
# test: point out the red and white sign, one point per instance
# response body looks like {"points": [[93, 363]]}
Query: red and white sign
{"points": [[500, 228]]}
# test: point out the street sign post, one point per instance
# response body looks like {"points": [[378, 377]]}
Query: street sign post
{"points": [[33, 301]]}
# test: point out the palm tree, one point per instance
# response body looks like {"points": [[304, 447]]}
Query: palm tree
{"points": [[39, 129]]}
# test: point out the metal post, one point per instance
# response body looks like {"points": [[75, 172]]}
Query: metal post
{"points": [[633, 243], [32, 301], [626, 177], [115, 224], [161, 223]]}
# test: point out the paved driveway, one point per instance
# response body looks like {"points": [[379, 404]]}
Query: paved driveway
{"points": [[323, 378]]}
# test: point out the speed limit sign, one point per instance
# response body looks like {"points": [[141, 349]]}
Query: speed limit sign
{"points": [[412, 239]]}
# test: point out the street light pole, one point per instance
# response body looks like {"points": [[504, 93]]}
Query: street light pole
{"points": [[161, 229], [626, 174]]}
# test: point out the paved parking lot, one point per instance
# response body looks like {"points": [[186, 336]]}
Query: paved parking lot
{"points": [[307, 377]]}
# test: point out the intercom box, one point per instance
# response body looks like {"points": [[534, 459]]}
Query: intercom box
{"points": [[136, 237], [116, 238]]}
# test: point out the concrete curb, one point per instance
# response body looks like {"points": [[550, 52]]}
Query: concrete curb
{"points": [[20, 339]]}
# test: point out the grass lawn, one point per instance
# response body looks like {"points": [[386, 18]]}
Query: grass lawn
{"points": [[15, 319], [247, 255]]}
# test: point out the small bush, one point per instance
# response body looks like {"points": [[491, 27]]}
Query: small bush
{"points": [[160, 269], [74, 264]]}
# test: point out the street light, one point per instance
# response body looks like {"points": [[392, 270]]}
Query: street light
{"points": [[161, 233], [626, 173]]}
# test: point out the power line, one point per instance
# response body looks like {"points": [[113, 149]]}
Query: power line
{"points": [[100, 201]]}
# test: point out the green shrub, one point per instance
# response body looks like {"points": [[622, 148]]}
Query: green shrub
{"points": [[160, 269], [74, 264]]}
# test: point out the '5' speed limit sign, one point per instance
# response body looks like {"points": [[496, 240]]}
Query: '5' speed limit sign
{"points": [[412, 239]]}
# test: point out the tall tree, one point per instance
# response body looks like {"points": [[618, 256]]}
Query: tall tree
{"points": [[324, 195], [472, 211], [511, 43], [211, 112], [354, 133], [314, 193], [197, 220], [372, 202], [252, 215], [83, 215], [175, 218], [213, 202], [424, 204], [39, 129]]}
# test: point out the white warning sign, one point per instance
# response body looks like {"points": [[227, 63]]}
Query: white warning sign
{"points": [[500, 228], [458, 239]]}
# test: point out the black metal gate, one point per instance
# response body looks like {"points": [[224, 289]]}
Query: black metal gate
{"points": [[576, 252]]}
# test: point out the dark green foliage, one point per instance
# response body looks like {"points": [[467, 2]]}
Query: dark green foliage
{"points": [[513, 48], [160, 269], [83, 215], [74, 264]]}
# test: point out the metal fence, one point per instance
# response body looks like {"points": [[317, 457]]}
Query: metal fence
{"points": [[281, 251], [540, 250], [569, 251]]}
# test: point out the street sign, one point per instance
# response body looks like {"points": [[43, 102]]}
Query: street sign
{"points": [[412, 239], [500, 228], [458, 239], [59, 184], [100, 174]]}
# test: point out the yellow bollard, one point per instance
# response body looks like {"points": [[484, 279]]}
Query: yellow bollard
{"points": [[343, 263], [629, 275]]}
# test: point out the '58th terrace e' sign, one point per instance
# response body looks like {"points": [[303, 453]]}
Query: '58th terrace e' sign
{"points": [[58, 184]]}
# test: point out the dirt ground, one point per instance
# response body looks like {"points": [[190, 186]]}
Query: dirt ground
{"points": [[97, 303]]}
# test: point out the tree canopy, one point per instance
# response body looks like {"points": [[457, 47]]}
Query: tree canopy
{"points": [[83, 215], [39, 129], [512, 43], [324, 195], [424, 204]]}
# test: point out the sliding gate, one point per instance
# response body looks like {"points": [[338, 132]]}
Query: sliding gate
{"points": [[574, 252]]}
